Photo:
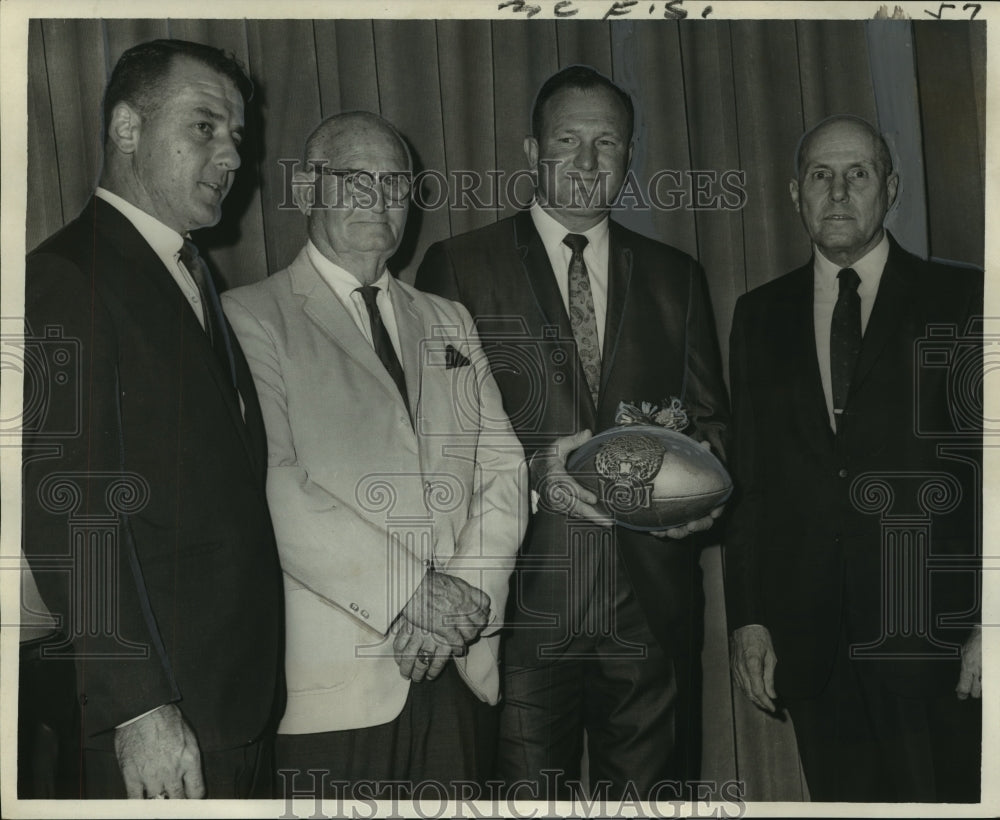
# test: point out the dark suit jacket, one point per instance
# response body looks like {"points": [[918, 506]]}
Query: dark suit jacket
{"points": [[179, 586], [659, 341], [804, 551]]}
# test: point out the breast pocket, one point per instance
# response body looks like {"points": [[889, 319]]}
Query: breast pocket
{"points": [[450, 404]]}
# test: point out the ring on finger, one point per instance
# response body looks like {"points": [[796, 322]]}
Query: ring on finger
{"points": [[423, 656]]}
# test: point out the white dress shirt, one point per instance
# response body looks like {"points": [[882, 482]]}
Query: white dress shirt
{"points": [[595, 256], [345, 284], [166, 244], [826, 288]]}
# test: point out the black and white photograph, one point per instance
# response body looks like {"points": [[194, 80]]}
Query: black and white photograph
{"points": [[566, 408]]}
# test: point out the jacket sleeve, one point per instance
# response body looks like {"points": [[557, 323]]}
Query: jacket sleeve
{"points": [[488, 542], [77, 492], [741, 569], [704, 389]]}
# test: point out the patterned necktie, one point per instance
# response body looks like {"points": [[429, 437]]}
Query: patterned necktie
{"points": [[382, 343], [582, 318], [845, 338], [215, 325]]}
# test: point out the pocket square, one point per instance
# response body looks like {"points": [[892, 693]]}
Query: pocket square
{"points": [[454, 358]]}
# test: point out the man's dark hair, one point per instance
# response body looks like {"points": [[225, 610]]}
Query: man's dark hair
{"points": [[579, 78], [141, 73]]}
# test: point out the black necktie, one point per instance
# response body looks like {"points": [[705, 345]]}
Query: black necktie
{"points": [[382, 343], [215, 324], [845, 338], [582, 318]]}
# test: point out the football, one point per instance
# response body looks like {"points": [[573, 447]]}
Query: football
{"points": [[650, 478]]}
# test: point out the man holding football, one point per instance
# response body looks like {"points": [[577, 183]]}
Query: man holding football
{"points": [[577, 315]]}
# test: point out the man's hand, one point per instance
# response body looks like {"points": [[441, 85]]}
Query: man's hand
{"points": [[970, 679], [456, 612], [419, 654], [559, 491], [159, 756], [697, 525], [753, 661]]}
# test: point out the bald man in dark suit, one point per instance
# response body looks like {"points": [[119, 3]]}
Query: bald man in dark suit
{"points": [[852, 553]]}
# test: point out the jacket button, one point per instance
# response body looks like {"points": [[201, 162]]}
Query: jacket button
{"points": [[842, 472], [354, 607], [83, 700], [364, 613]]}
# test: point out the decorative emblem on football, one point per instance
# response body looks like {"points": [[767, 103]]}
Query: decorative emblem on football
{"points": [[648, 477]]}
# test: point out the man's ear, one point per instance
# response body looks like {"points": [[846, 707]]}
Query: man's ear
{"points": [[891, 187], [304, 191], [531, 152], [125, 127], [793, 191]]}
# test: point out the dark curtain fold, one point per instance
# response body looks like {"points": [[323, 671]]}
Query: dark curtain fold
{"points": [[949, 61], [711, 97]]}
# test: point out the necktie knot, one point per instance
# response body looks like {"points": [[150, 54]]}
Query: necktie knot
{"points": [[370, 294], [189, 255], [849, 280], [576, 242]]}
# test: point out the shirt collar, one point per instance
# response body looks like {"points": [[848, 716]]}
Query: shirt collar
{"points": [[552, 232], [342, 281], [164, 241], [869, 267]]}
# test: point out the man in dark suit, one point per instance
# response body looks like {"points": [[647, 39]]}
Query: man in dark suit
{"points": [[145, 518], [856, 451], [577, 314]]}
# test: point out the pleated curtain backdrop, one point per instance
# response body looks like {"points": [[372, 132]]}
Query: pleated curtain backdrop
{"points": [[711, 96]]}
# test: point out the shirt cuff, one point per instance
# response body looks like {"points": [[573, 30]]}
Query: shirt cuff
{"points": [[139, 717]]}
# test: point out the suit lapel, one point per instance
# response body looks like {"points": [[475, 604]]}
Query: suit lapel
{"points": [[329, 314], [130, 243], [890, 304], [619, 278], [171, 302], [542, 284], [410, 327], [538, 271], [797, 331]]}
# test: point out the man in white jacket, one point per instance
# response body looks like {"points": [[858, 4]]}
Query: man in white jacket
{"points": [[395, 482]]}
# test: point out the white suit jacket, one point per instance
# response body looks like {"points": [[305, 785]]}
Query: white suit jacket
{"points": [[362, 500]]}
